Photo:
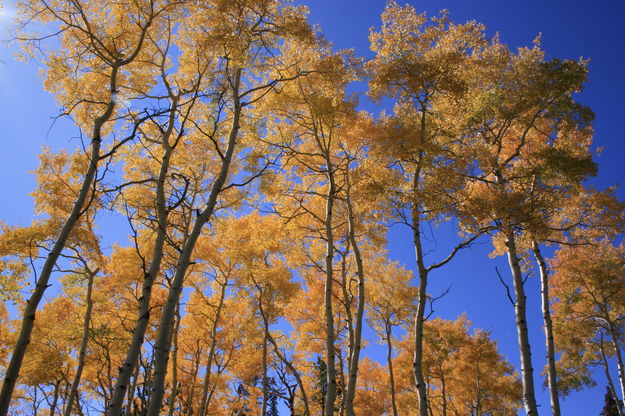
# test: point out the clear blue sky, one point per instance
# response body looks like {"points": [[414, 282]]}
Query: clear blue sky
{"points": [[570, 29]]}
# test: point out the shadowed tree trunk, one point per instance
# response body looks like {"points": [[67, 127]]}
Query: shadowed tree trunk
{"points": [[174, 364], [389, 360], [143, 315], [161, 349], [83, 345], [211, 352], [78, 209], [419, 317]]}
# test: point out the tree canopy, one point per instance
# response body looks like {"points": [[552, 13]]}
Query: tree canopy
{"points": [[261, 174]]}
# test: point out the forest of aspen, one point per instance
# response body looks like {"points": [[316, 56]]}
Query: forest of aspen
{"points": [[251, 273]]}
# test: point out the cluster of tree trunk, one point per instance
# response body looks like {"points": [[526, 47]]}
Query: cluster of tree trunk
{"points": [[259, 198]]}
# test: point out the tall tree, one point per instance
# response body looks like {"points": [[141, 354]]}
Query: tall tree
{"points": [[316, 109], [588, 281], [421, 63], [247, 34], [529, 143], [155, 188], [390, 304], [100, 46]]}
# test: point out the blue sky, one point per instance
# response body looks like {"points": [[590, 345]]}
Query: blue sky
{"points": [[571, 29]]}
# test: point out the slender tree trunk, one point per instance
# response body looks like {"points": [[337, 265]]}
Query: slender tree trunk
{"points": [[419, 317], [145, 394], [28, 320], [55, 398], [527, 372], [289, 365], [265, 390], [83, 346], [423, 274], [265, 324], [161, 349], [552, 379], [606, 368], [211, 353], [354, 356], [143, 316], [329, 314], [131, 392], [443, 393], [619, 361], [349, 320], [389, 360], [174, 364], [340, 380]]}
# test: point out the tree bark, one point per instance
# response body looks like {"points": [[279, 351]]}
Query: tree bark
{"points": [[619, 361], [143, 316], [606, 368], [211, 353], [527, 372], [552, 379], [264, 381], [174, 364], [28, 320], [83, 346], [354, 356], [419, 317], [423, 274], [329, 314], [161, 349], [389, 360]]}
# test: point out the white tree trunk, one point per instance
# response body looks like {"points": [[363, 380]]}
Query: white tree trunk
{"points": [[552, 379], [527, 372], [354, 354], [329, 314]]}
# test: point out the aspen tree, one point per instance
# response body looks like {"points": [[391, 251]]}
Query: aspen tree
{"points": [[421, 63], [390, 304], [82, 257], [588, 281], [245, 31], [578, 215], [88, 76], [527, 123], [315, 109], [158, 137]]}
